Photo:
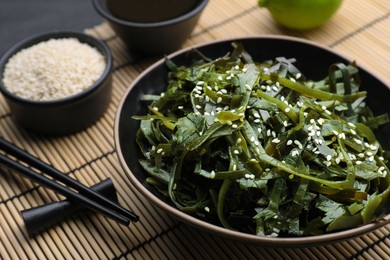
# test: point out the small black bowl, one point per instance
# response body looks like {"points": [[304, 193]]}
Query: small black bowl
{"points": [[67, 115], [155, 38]]}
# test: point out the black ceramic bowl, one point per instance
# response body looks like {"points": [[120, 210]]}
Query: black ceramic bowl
{"points": [[66, 115], [154, 38], [312, 59]]}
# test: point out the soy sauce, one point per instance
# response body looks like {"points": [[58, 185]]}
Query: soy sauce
{"points": [[149, 11]]}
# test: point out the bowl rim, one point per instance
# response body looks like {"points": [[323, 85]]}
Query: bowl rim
{"points": [[57, 34], [278, 242], [103, 11]]}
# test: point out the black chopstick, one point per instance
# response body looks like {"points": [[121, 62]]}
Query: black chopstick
{"points": [[85, 196]]}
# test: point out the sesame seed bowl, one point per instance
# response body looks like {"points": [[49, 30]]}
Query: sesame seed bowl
{"points": [[313, 61], [57, 82]]}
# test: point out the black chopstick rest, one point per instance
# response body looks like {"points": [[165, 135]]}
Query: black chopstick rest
{"points": [[42, 217]]}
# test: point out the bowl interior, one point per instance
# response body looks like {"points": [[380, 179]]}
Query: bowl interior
{"points": [[312, 60], [35, 39]]}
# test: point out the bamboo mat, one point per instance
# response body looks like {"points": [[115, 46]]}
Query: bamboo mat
{"points": [[360, 30]]}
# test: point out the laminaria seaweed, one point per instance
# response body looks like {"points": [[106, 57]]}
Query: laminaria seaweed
{"points": [[257, 147]]}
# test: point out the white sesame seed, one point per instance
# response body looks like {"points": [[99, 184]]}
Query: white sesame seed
{"points": [[159, 150], [234, 126], [253, 139], [234, 167], [353, 132], [357, 141], [320, 121], [323, 107], [327, 163], [257, 120], [287, 110], [337, 160], [268, 132], [268, 88], [207, 209], [273, 133], [198, 106], [352, 125], [155, 108], [312, 121], [219, 100], [289, 142], [305, 113], [292, 79], [361, 155], [358, 162], [296, 142], [328, 157], [373, 147], [180, 107], [276, 140], [381, 158], [239, 140], [229, 122], [285, 123], [212, 174], [298, 75], [256, 142], [256, 115], [236, 152], [275, 88], [259, 130], [219, 77], [328, 112]]}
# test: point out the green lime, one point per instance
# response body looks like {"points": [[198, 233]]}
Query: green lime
{"points": [[301, 14]]}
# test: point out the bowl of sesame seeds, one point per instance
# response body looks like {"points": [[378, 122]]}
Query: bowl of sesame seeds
{"points": [[57, 82], [169, 125]]}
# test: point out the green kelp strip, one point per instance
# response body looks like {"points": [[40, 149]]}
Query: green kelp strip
{"points": [[256, 147]]}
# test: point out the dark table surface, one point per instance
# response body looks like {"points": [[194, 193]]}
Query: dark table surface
{"points": [[22, 18]]}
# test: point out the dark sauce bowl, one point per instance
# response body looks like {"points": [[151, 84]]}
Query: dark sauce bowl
{"points": [[66, 115], [153, 38]]}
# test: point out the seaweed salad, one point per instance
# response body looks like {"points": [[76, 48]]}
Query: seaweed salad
{"points": [[257, 147]]}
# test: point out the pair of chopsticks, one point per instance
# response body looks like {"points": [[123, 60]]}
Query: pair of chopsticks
{"points": [[84, 195]]}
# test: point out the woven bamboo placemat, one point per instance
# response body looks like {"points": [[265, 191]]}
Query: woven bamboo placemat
{"points": [[359, 30]]}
